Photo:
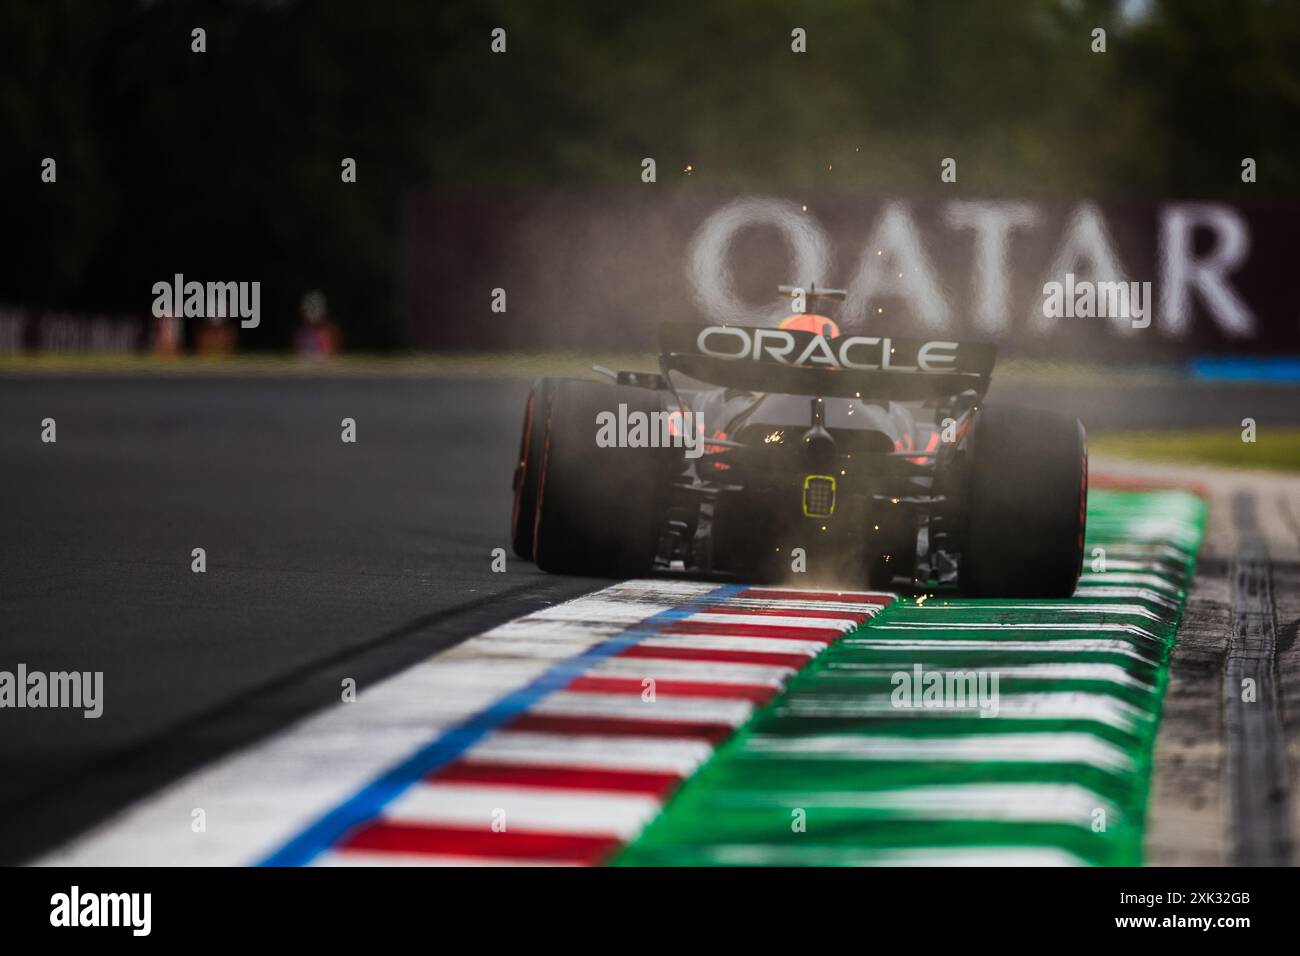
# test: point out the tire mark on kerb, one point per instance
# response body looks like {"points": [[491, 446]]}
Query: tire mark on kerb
{"points": [[1256, 755]]}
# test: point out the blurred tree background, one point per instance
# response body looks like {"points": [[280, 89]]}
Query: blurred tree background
{"points": [[226, 164]]}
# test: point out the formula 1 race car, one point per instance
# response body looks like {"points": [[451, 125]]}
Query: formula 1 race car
{"points": [[758, 452]]}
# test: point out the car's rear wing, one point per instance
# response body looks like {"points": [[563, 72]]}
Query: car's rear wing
{"points": [[847, 366]]}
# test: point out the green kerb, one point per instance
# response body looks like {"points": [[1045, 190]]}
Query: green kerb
{"points": [[834, 770]]}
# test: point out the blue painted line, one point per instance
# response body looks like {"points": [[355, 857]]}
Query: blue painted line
{"points": [[1245, 369], [369, 802]]}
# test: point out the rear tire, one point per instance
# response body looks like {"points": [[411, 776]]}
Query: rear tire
{"points": [[599, 511], [1026, 504]]}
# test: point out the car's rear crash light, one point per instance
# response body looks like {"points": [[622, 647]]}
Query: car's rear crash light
{"points": [[818, 496]]}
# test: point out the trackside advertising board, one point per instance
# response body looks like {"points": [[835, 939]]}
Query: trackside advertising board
{"points": [[1121, 281]]}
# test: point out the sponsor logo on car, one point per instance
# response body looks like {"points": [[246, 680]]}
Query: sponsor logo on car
{"points": [[866, 352]]}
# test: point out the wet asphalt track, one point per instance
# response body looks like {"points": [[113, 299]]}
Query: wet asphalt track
{"points": [[324, 560]]}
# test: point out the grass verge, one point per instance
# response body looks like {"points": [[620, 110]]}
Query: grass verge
{"points": [[1274, 449]]}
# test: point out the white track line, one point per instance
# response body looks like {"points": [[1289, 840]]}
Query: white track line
{"points": [[571, 811]]}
